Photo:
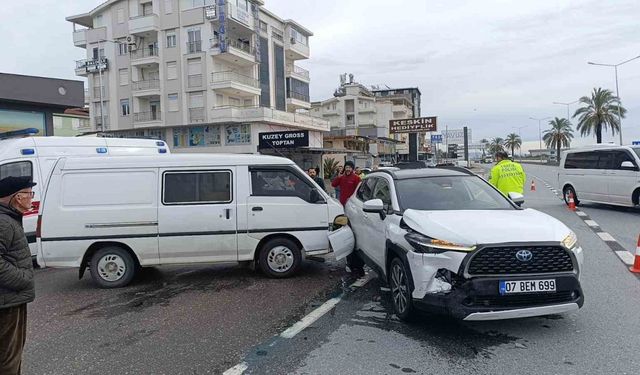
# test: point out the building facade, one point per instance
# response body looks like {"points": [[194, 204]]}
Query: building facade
{"points": [[359, 122], [204, 75]]}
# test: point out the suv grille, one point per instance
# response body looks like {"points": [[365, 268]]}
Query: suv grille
{"points": [[503, 261]]}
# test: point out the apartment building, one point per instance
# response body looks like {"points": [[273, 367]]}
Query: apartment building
{"points": [[359, 122], [204, 75]]}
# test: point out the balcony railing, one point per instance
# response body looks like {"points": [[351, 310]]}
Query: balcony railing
{"points": [[196, 115], [195, 46], [234, 77], [277, 35], [147, 116], [256, 113], [298, 96], [143, 53], [232, 43], [194, 80], [298, 71], [152, 84]]}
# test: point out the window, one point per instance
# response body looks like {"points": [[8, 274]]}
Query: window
{"points": [[196, 100], [620, 157], [204, 136], [168, 6], [383, 193], [180, 136], [263, 26], [243, 4], [194, 40], [237, 134], [123, 48], [234, 102], [147, 9], [606, 160], [124, 76], [279, 183], [365, 191], [172, 39], [582, 160], [172, 71], [296, 37], [197, 187], [173, 102], [219, 100], [17, 169], [124, 107], [120, 15], [98, 21]]}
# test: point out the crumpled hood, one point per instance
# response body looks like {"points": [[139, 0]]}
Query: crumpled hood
{"points": [[472, 227]]}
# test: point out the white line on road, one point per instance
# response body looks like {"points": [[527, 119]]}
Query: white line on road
{"points": [[606, 237], [591, 223], [580, 213], [625, 256], [237, 369]]}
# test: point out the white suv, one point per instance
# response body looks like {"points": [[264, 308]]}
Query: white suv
{"points": [[447, 242]]}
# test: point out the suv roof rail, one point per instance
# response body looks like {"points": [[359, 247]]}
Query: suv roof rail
{"points": [[19, 133]]}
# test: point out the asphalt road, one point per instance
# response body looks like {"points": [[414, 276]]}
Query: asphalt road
{"points": [[172, 320], [361, 335]]}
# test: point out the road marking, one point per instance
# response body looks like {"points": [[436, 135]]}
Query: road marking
{"points": [[580, 213], [237, 369], [626, 257], [606, 236], [591, 223]]}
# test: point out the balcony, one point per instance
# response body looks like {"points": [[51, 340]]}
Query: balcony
{"points": [[237, 17], [267, 115], [144, 56], [235, 84], [295, 50], [143, 24], [143, 117], [196, 115], [233, 51], [146, 88], [296, 100], [369, 109], [80, 38], [194, 47], [298, 73]]}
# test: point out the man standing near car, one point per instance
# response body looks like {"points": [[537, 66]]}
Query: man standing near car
{"points": [[348, 182], [507, 176], [313, 173], [16, 271]]}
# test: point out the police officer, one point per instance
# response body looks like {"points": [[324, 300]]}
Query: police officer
{"points": [[507, 176]]}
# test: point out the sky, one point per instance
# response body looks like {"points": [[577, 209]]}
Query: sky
{"points": [[489, 65]]}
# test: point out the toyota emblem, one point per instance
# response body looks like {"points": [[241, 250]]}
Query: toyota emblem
{"points": [[524, 255]]}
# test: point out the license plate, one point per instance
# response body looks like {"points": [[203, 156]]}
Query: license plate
{"points": [[527, 286]]}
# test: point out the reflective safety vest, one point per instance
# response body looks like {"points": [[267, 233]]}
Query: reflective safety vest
{"points": [[508, 177]]}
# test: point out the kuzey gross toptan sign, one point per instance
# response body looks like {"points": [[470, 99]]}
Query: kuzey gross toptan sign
{"points": [[413, 125], [288, 139]]}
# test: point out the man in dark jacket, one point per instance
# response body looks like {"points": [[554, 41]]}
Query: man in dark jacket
{"points": [[16, 272], [313, 173]]}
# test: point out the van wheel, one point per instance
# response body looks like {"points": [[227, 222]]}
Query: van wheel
{"points": [[112, 267], [568, 191], [400, 290], [280, 258]]}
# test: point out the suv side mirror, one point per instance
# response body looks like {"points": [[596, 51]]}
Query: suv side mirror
{"points": [[516, 198], [627, 165], [375, 206]]}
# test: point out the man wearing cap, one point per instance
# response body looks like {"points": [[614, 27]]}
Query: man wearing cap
{"points": [[16, 271], [507, 176]]}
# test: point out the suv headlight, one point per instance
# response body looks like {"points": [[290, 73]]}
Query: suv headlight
{"points": [[339, 222], [428, 245], [570, 241]]}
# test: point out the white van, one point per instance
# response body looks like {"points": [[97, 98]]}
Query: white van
{"points": [[22, 155], [604, 174], [117, 214]]}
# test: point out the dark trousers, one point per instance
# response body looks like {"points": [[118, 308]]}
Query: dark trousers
{"points": [[13, 333], [354, 261]]}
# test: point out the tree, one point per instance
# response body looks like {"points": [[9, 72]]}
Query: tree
{"points": [[559, 135], [496, 144], [330, 167], [599, 112], [513, 141]]}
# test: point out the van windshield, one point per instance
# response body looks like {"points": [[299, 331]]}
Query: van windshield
{"points": [[636, 150]]}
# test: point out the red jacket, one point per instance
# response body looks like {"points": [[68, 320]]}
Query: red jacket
{"points": [[347, 185]]}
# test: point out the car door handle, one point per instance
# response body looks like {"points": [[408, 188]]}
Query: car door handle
{"points": [[257, 209], [227, 213]]}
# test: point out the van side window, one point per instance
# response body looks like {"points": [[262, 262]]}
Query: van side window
{"points": [[606, 160], [279, 183], [582, 160], [620, 157], [17, 169], [365, 191], [197, 187]]}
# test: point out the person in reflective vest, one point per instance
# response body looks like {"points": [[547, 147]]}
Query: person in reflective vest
{"points": [[507, 176]]}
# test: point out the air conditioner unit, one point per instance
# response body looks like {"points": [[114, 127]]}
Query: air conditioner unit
{"points": [[132, 41], [293, 40]]}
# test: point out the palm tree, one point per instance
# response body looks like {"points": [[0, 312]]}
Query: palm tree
{"points": [[495, 145], [559, 135], [513, 141], [599, 112]]}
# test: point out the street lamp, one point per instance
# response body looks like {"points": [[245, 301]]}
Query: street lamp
{"points": [[615, 67], [567, 104], [539, 132], [519, 135]]}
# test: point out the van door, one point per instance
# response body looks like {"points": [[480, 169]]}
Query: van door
{"points": [[582, 171], [197, 217], [622, 181], [282, 201]]}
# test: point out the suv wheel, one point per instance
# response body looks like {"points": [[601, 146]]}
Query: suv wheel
{"points": [[400, 291]]}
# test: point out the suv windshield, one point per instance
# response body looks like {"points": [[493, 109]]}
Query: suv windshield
{"points": [[449, 193]]}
